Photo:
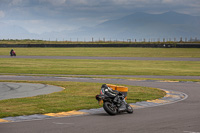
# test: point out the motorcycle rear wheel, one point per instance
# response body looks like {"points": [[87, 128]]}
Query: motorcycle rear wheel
{"points": [[109, 108]]}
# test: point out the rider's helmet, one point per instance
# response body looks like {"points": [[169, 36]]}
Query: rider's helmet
{"points": [[104, 86]]}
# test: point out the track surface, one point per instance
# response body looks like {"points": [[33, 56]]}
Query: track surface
{"points": [[18, 90], [180, 117]]}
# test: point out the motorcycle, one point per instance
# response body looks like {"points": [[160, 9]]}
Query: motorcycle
{"points": [[111, 106], [12, 53]]}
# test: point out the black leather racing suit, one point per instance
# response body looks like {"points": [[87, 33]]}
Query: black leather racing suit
{"points": [[108, 91], [113, 94]]}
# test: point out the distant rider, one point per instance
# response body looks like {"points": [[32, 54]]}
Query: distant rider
{"points": [[12, 53]]}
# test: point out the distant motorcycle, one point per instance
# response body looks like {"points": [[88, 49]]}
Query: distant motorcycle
{"points": [[112, 107], [12, 53]]}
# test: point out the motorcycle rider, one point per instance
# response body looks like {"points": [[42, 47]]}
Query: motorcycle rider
{"points": [[12, 53], [112, 94]]}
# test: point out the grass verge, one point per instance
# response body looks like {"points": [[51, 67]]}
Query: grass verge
{"points": [[106, 52], [75, 96], [99, 67]]}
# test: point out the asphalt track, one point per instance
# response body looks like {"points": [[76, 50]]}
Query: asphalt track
{"points": [[103, 58], [179, 117], [19, 90]]}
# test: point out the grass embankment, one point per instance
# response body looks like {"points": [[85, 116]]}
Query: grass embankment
{"points": [[106, 52], [75, 96], [95, 41], [99, 67], [29, 41]]}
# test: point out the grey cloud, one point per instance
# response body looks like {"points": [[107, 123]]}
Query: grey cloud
{"points": [[2, 14], [78, 13], [102, 5]]}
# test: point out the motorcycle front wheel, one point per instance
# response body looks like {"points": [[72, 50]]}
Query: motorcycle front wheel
{"points": [[129, 109], [110, 108]]}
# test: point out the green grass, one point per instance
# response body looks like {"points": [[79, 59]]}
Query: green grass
{"points": [[99, 67], [107, 52], [75, 96]]}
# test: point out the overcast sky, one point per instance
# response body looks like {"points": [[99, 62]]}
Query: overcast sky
{"points": [[39, 16]]}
